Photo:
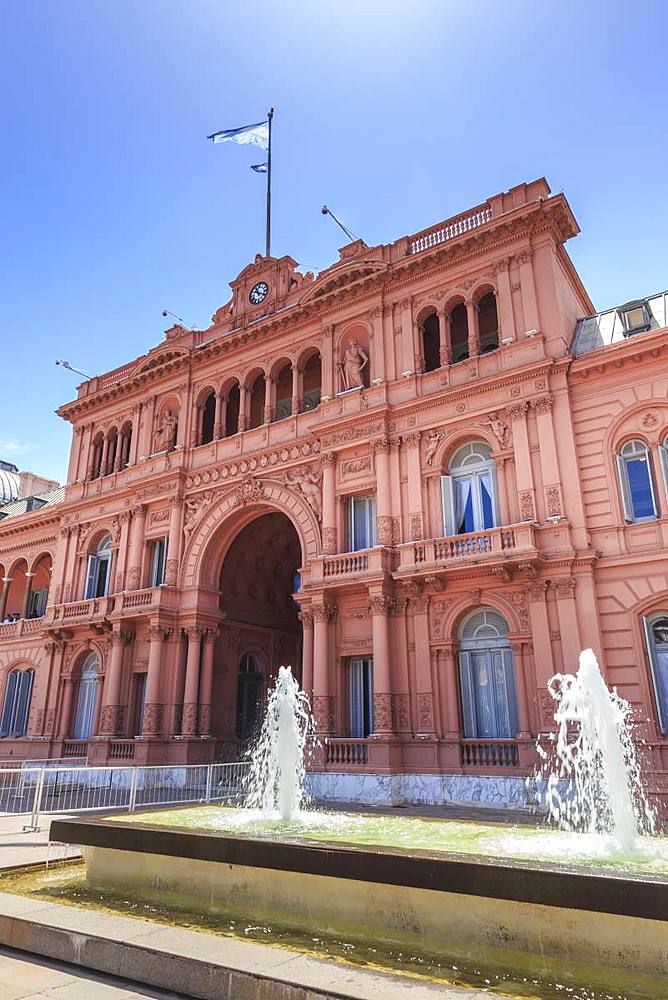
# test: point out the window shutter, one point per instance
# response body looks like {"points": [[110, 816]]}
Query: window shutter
{"points": [[356, 698], [624, 488], [663, 457], [8, 707], [22, 703], [468, 704], [448, 499], [371, 532], [651, 485], [511, 695], [90, 578]]}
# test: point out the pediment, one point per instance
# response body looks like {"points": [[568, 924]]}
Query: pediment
{"points": [[342, 276], [159, 359]]}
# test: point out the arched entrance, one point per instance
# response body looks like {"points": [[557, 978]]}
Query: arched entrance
{"points": [[260, 630]]}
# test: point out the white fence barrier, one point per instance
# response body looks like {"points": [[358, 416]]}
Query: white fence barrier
{"points": [[38, 790]]}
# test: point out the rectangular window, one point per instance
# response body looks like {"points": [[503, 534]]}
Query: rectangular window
{"points": [[37, 603], [139, 692], [361, 523], [158, 559], [360, 698], [17, 703]]}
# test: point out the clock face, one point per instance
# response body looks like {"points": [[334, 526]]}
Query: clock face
{"points": [[258, 293]]}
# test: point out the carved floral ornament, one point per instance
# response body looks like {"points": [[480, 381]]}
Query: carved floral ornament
{"points": [[257, 461]]}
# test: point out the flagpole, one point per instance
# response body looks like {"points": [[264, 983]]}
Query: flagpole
{"points": [[270, 115]]}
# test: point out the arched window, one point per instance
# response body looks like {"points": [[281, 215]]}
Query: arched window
{"points": [[656, 635], [431, 343], [312, 382], [208, 418], [469, 491], [96, 459], [635, 482], [459, 333], [249, 695], [284, 392], [232, 411], [84, 716], [488, 323], [487, 677], [256, 407], [16, 706], [99, 570]]}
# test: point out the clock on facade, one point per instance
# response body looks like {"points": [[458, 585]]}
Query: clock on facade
{"points": [[258, 293]]}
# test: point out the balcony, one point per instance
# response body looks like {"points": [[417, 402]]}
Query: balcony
{"points": [[350, 566], [22, 628], [516, 542], [81, 612]]}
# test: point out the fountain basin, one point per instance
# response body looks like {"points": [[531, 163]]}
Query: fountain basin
{"points": [[422, 899]]}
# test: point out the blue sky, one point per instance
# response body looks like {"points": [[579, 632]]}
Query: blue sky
{"points": [[395, 113]]}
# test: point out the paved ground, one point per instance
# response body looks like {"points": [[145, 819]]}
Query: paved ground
{"points": [[26, 977], [20, 848]]}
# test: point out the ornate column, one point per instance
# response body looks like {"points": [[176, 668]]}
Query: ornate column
{"points": [[146, 446], [540, 631], [379, 606], [243, 395], [548, 456], [323, 701], [327, 363], [134, 435], [26, 596], [444, 336], [111, 719], [381, 447], [6, 581], [136, 546], [269, 399], [401, 714], [564, 590], [329, 539], [174, 541], [297, 390], [521, 685], [452, 722], [154, 709], [504, 301], [190, 693], [377, 352], [523, 473], [65, 708], [407, 349], [474, 332], [416, 517], [105, 451], [218, 416], [196, 430], [425, 691], [206, 682], [306, 618], [529, 300], [101, 684]]}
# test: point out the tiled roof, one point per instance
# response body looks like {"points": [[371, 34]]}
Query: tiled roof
{"points": [[27, 505]]}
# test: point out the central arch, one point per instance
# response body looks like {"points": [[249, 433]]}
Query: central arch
{"points": [[260, 629]]}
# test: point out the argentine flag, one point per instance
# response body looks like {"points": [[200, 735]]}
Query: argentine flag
{"points": [[247, 135], [260, 168]]}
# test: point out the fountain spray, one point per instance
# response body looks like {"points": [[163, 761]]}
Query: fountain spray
{"points": [[277, 772], [593, 775]]}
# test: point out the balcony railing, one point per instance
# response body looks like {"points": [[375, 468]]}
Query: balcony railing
{"points": [[133, 599], [122, 750], [477, 546], [489, 753], [349, 565], [75, 748], [22, 627], [346, 752]]}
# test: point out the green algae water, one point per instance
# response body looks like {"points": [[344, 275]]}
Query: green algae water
{"points": [[518, 843], [491, 970]]}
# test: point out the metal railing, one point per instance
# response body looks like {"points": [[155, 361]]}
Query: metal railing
{"points": [[39, 790]]}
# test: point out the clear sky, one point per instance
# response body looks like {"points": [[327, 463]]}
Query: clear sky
{"points": [[396, 113]]}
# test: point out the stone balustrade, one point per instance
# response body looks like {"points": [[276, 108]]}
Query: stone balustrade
{"points": [[515, 540], [346, 752]]}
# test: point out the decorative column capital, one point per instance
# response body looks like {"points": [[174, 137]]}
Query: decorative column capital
{"points": [[380, 604], [564, 587], [542, 404], [138, 509], [328, 458], [324, 612], [121, 637], [517, 411], [537, 590], [194, 633], [306, 617], [158, 633], [381, 444], [412, 439]]}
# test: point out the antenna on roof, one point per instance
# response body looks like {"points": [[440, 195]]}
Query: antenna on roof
{"points": [[69, 367], [328, 211]]}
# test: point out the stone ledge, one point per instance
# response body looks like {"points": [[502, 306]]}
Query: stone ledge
{"points": [[200, 965]]}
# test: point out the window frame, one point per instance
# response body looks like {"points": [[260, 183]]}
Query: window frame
{"points": [[16, 700], [626, 494], [369, 499], [660, 699], [101, 556], [88, 691], [360, 690], [159, 547], [473, 472]]}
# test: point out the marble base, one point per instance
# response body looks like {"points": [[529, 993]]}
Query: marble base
{"points": [[419, 789]]}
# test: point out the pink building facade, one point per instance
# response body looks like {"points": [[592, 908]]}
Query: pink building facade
{"points": [[421, 478]]}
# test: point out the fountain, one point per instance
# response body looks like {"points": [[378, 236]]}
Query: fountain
{"points": [[594, 781], [277, 759], [595, 891]]}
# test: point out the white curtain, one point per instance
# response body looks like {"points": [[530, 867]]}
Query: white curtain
{"points": [[86, 701]]}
